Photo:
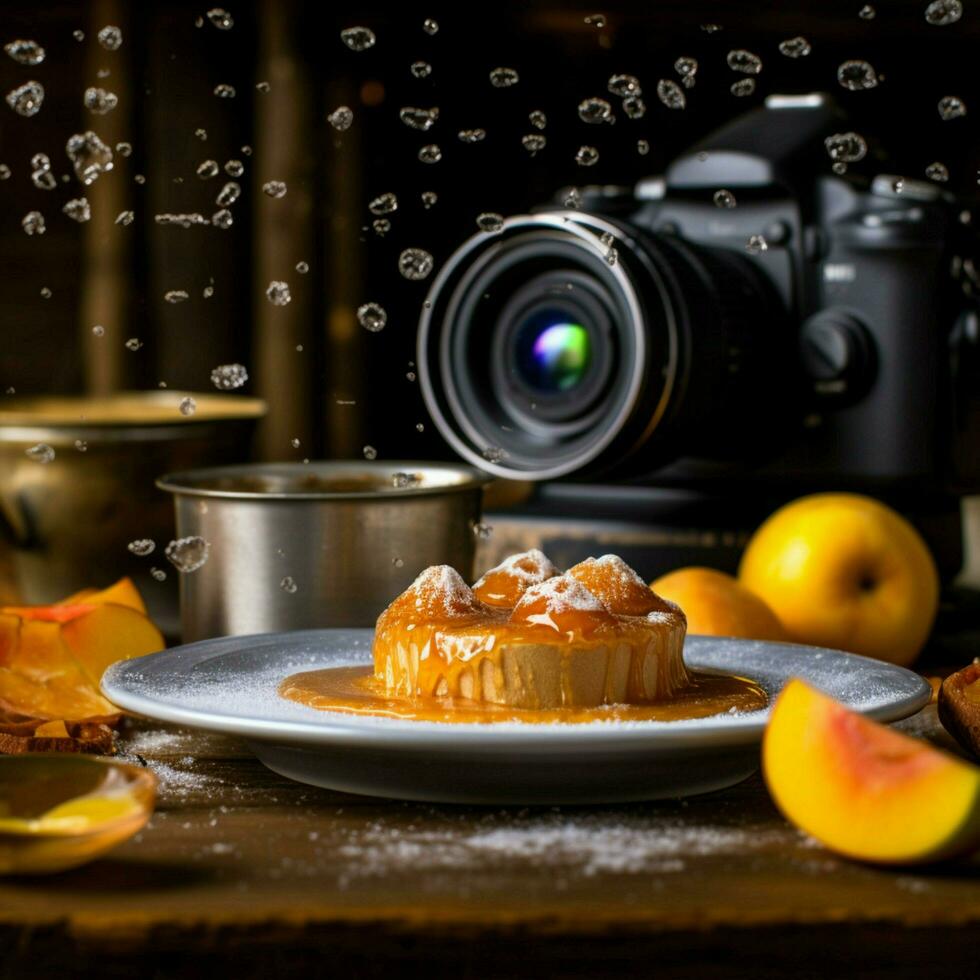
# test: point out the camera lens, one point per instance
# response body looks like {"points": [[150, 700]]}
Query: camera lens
{"points": [[538, 357], [551, 354]]}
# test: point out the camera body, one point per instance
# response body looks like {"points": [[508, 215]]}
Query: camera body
{"points": [[748, 316]]}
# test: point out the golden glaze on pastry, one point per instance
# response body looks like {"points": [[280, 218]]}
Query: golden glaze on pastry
{"points": [[527, 637]]}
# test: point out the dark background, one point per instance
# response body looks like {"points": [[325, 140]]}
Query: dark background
{"points": [[165, 73]]}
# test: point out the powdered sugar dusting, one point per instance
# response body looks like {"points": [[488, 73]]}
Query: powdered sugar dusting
{"points": [[441, 591], [558, 595], [526, 567], [606, 842]]}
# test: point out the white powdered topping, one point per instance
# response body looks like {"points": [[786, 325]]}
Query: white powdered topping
{"points": [[441, 591], [526, 567], [560, 594], [616, 566]]}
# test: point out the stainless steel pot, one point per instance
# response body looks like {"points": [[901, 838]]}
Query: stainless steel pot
{"points": [[295, 546], [65, 524]]}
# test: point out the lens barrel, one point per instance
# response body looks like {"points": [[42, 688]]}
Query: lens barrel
{"points": [[569, 342]]}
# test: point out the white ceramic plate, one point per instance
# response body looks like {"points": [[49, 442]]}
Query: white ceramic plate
{"points": [[230, 685]]}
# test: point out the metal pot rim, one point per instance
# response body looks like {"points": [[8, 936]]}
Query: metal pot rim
{"points": [[451, 477]]}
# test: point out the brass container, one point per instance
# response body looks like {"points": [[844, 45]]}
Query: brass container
{"points": [[65, 524], [299, 546]]}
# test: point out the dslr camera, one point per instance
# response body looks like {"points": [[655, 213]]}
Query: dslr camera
{"points": [[751, 315]]}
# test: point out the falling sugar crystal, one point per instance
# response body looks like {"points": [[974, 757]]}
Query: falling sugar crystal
{"points": [[124, 149], [225, 91], [78, 35], [125, 218], [370, 452], [429, 199], [98, 330], [534, 142], [504, 77], [795, 47], [430, 26], [234, 168], [416, 118], [538, 119], [208, 169], [274, 188], [99, 100], [744, 61], [110, 38], [302, 268], [226, 377], [28, 53], [142, 547], [159, 574], [937, 172], [201, 134], [89, 155], [415, 263], [420, 69], [372, 317], [494, 454], [40, 453], [941, 13], [381, 226], [221, 19], [471, 135], [950, 107], [182, 220], [671, 94], [597, 21], [81, 445], [222, 219], [45, 293], [263, 87], [572, 199], [341, 118], [383, 204], [277, 293], [430, 153], [398, 562], [857, 76], [743, 87], [228, 194], [687, 68], [610, 252], [587, 156], [756, 245], [288, 584], [133, 344], [846, 147], [595, 111], [26, 99], [33, 223], [634, 107], [490, 222], [358, 38], [5, 172], [482, 531], [624, 86], [176, 295], [867, 12], [405, 481], [41, 176], [78, 209], [187, 554], [642, 147], [187, 406]]}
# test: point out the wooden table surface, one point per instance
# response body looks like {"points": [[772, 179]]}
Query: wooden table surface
{"points": [[241, 870]]}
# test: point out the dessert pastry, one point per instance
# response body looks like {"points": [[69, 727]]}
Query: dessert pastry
{"points": [[528, 637]]}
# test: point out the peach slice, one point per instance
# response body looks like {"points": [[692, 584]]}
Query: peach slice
{"points": [[108, 633], [864, 790], [122, 593]]}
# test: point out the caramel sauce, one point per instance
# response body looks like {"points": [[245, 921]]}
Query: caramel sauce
{"points": [[355, 690]]}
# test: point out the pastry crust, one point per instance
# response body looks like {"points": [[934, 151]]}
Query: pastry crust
{"points": [[527, 637]]}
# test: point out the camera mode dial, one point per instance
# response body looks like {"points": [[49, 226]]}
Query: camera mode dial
{"points": [[838, 356]]}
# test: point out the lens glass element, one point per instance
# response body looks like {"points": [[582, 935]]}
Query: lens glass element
{"points": [[553, 354]]}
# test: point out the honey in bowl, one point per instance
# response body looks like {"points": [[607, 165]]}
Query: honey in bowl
{"points": [[528, 644]]}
